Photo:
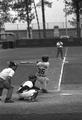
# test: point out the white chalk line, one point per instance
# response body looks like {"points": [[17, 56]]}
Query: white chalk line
{"points": [[62, 67]]}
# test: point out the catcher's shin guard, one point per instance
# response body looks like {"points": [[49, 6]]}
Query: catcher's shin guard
{"points": [[33, 98]]}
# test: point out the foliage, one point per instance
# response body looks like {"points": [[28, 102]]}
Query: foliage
{"points": [[72, 7], [5, 7], [20, 8], [46, 3]]}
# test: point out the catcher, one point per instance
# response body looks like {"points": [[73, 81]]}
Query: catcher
{"points": [[28, 90]]}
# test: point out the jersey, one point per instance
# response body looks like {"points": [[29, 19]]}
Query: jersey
{"points": [[7, 72], [28, 83], [42, 68], [59, 45], [26, 86]]}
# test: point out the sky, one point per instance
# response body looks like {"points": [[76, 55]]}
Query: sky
{"points": [[53, 16], [55, 13]]}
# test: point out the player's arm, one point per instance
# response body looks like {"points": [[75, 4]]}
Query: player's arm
{"points": [[23, 88], [9, 79]]}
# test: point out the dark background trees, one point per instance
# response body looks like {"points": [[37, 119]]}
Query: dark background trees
{"points": [[24, 12], [73, 7]]}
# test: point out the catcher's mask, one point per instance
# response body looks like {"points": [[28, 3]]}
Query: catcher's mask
{"points": [[45, 58], [12, 64], [32, 78]]}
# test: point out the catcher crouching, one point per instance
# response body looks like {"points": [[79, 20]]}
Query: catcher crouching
{"points": [[28, 91]]}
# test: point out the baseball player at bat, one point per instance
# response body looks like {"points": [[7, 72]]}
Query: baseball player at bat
{"points": [[42, 69]]}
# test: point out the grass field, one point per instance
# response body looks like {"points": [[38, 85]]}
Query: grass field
{"points": [[72, 72], [65, 75], [31, 54], [69, 76]]}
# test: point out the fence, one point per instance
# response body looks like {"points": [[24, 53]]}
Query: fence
{"points": [[23, 26], [40, 43]]}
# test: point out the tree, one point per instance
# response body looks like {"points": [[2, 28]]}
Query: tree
{"points": [[73, 7], [21, 8], [24, 12], [43, 3], [5, 15]]}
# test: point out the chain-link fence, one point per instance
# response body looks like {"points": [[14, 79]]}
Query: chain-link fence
{"points": [[49, 25]]}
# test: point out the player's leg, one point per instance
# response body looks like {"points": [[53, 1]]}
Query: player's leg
{"points": [[46, 80], [43, 84], [40, 81], [9, 88], [57, 53], [9, 92], [1, 90], [61, 53], [35, 94], [29, 95], [1, 87]]}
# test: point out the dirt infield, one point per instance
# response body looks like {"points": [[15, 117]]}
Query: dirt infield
{"points": [[53, 116], [48, 107]]}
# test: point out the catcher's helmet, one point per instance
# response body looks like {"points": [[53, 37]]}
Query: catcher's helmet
{"points": [[32, 78], [45, 58], [11, 64]]}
